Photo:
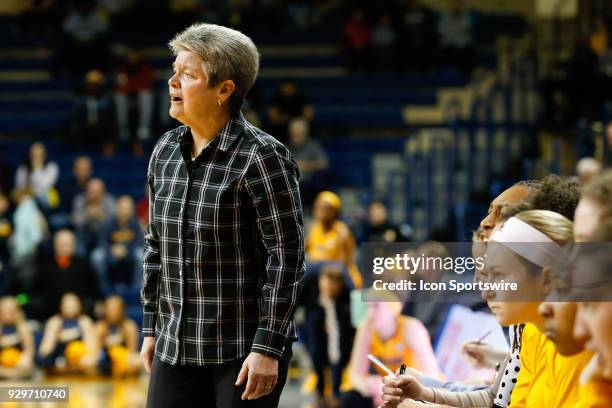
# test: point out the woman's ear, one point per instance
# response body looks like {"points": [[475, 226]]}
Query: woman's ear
{"points": [[225, 90], [547, 280]]}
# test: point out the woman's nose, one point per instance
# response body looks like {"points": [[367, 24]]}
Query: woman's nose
{"points": [[545, 310], [172, 82], [488, 223]]}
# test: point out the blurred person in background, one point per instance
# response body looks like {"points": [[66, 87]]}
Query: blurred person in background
{"points": [[378, 228], [94, 124], [594, 208], [417, 43], [455, 30], [287, 103], [118, 339], [6, 227], [593, 222], [64, 272], [82, 172], [587, 168], [30, 230], [310, 158], [328, 330], [330, 239], [134, 79], [69, 344], [83, 44], [91, 212], [393, 339], [357, 41], [17, 346], [40, 175], [592, 326], [6, 230], [384, 39], [118, 261]]}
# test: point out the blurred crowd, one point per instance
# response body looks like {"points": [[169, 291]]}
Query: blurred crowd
{"points": [[70, 251]]}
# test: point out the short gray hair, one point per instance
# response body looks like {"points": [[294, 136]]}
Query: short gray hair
{"points": [[227, 54]]}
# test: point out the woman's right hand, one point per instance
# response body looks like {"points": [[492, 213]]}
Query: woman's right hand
{"points": [[482, 355], [147, 351], [398, 388]]}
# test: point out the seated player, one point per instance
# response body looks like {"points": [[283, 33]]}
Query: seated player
{"points": [[118, 337], [16, 342], [69, 341], [394, 339]]}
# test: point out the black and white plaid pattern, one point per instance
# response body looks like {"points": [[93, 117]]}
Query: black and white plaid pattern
{"points": [[224, 251]]}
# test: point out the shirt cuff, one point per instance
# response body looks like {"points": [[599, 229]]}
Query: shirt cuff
{"points": [[148, 322], [269, 343]]}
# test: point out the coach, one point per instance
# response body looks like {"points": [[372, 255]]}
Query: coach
{"points": [[224, 250]]}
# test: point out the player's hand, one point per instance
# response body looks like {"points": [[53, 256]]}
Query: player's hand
{"points": [[482, 355], [261, 375], [398, 388]]}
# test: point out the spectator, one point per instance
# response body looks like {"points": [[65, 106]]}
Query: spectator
{"points": [[94, 119], [64, 272], [378, 227], [330, 239], [91, 212], [310, 158], [40, 175], [599, 38], [287, 103], [118, 261], [6, 230], [69, 344], [6, 227], [83, 46], [142, 210], [134, 85], [384, 39], [417, 36], [30, 231], [456, 41], [121, 14], [587, 168], [393, 339], [328, 330], [118, 338], [607, 154], [82, 172], [6, 176], [16, 342], [357, 37]]}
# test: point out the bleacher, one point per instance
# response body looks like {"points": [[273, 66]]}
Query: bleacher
{"points": [[383, 109]]}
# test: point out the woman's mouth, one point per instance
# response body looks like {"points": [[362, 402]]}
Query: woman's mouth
{"points": [[175, 99]]}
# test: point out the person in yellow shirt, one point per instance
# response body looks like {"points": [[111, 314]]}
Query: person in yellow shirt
{"points": [[330, 239], [546, 378]]}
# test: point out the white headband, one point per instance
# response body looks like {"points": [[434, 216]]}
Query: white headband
{"points": [[528, 242]]}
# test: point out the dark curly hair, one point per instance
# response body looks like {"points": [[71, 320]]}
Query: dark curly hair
{"points": [[552, 193]]}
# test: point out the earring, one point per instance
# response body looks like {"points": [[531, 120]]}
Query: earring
{"points": [[219, 102]]}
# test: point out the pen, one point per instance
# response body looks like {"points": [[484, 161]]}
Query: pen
{"points": [[380, 364], [402, 369], [484, 336]]}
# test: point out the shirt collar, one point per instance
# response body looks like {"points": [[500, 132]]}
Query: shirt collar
{"points": [[223, 140]]}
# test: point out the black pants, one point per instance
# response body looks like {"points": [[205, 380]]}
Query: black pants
{"points": [[208, 386]]}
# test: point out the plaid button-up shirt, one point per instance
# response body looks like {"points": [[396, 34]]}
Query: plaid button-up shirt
{"points": [[224, 250]]}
